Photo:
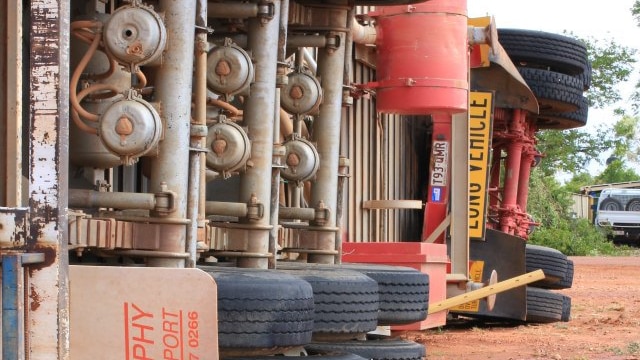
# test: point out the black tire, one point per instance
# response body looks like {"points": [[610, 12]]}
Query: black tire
{"points": [[587, 76], [554, 91], [566, 282], [633, 205], [376, 349], [566, 308], [262, 309], [541, 49], [403, 291], [346, 302], [310, 356], [565, 120], [552, 262], [610, 204], [543, 306]]}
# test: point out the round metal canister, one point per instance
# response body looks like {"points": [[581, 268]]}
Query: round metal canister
{"points": [[229, 147], [302, 160], [422, 64], [302, 94], [229, 70], [130, 128], [134, 35]]}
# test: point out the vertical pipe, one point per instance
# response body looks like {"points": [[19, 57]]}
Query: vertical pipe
{"points": [[512, 172], [194, 201], [259, 118], [514, 158], [201, 118], [48, 115], [173, 89], [327, 136]]}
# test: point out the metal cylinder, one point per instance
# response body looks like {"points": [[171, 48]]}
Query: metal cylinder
{"points": [[296, 41], [259, 117], [297, 213], [422, 65], [327, 135], [226, 208], [232, 10], [95, 199], [173, 90]]}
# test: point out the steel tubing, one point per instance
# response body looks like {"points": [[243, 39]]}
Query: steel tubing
{"points": [[232, 10], [116, 200], [293, 213], [226, 208], [296, 41], [259, 118], [327, 136], [173, 91]]}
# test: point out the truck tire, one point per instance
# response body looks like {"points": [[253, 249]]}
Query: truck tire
{"points": [[311, 356], [633, 205], [403, 291], [566, 282], [543, 306], [565, 120], [541, 49], [611, 204], [555, 92], [376, 349], [566, 308], [587, 76], [346, 302], [552, 262], [262, 309]]}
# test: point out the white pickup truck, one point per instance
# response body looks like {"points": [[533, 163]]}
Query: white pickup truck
{"points": [[619, 211]]}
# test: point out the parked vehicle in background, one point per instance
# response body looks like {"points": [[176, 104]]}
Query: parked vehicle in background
{"points": [[619, 211]]}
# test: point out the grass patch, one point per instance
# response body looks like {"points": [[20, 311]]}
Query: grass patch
{"points": [[577, 237]]}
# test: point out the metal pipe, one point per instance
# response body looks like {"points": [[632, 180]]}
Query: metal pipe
{"points": [[297, 213], [296, 41], [327, 134], [311, 62], [226, 208], [117, 200], [260, 119], [365, 35], [232, 10], [197, 156], [173, 90]]}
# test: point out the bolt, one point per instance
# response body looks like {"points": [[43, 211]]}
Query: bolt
{"points": [[135, 49], [219, 146], [223, 68], [296, 92], [124, 126], [293, 160]]}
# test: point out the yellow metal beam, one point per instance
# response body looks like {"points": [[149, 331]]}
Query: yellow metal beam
{"points": [[496, 288]]}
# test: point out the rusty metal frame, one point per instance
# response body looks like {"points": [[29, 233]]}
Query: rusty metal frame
{"points": [[47, 327]]}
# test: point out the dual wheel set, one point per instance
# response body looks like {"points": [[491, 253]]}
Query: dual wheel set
{"points": [[557, 70], [543, 304], [322, 311]]}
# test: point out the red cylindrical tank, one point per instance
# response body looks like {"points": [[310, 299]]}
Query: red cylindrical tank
{"points": [[422, 65]]}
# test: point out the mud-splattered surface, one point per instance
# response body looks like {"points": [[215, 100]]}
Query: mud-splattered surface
{"points": [[605, 322]]}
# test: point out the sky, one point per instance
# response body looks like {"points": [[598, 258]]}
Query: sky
{"points": [[597, 19]]}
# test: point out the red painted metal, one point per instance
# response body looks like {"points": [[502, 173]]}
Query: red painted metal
{"points": [[423, 60], [427, 258], [435, 210]]}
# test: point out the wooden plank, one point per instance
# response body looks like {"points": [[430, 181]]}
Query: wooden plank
{"points": [[482, 293]]}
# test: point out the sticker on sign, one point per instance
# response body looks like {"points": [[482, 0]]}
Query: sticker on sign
{"points": [[142, 313]]}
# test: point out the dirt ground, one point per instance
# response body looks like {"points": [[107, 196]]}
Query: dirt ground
{"points": [[605, 322]]}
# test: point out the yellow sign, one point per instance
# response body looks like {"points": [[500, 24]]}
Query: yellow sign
{"points": [[480, 125], [475, 274]]}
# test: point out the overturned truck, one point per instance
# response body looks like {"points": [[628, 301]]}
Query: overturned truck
{"points": [[204, 179]]}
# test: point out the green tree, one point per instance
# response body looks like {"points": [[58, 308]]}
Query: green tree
{"points": [[616, 172]]}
